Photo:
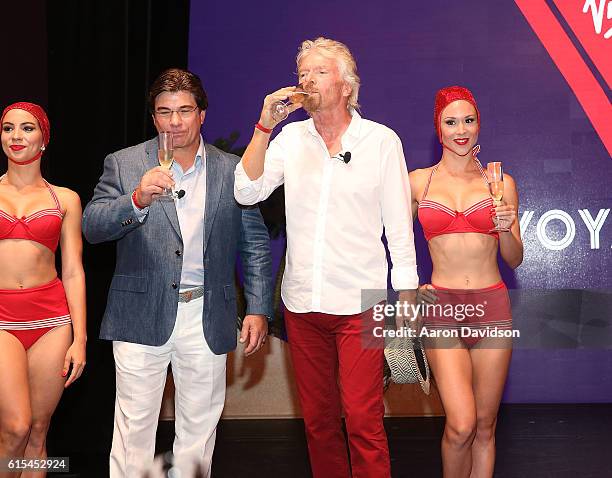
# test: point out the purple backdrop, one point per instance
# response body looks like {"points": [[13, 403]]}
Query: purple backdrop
{"points": [[531, 121]]}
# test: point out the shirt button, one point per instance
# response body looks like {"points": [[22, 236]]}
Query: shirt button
{"points": [[178, 253], [174, 285]]}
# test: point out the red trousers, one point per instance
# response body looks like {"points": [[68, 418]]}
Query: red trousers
{"points": [[335, 371]]}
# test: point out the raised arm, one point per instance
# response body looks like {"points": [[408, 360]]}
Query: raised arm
{"points": [[255, 154], [110, 214], [260, 171]]}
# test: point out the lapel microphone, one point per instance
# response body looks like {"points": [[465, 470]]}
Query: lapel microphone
{"points": [[180, 193], [346, 157]]}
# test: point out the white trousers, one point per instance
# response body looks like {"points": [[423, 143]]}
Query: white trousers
{"points": [[199, 378]]}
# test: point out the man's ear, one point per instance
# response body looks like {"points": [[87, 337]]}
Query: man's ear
{"points": [[346, 89]]}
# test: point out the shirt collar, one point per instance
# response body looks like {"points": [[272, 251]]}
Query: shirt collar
{"points": [[353, 129], [200, 159], [201, 154]]}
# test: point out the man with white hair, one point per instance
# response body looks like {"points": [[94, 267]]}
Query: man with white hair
{"points": [[345, 180]]}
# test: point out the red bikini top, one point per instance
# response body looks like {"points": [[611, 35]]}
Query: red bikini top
{"points": [[43, 226], [437, 219]]}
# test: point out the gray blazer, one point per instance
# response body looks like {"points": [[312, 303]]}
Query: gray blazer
{"points": [[143, 297]]}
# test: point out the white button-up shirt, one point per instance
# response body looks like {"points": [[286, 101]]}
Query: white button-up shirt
{"points": [[336, 213], [191, 211]]}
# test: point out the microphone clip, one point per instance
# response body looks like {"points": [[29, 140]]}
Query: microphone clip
{"points": [[345, 158]]}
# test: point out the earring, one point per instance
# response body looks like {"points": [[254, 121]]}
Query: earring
{"points": [[42, 148]]}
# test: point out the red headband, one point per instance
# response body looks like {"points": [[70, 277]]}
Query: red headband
{"points": [[445, 97], [37, 112]]}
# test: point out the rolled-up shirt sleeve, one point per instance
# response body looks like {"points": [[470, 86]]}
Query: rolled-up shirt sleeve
{"points": [[397, 217], [247, 191]]}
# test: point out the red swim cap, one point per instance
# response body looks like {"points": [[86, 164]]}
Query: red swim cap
{"points": [[35, 111], [445, 97]]}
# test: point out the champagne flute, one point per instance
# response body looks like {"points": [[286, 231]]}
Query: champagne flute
{"points": [[280, 110], [495, 176], [165, 155]]}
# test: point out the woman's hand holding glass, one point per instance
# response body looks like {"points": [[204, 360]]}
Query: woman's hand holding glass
{"points": [[505, 216]]}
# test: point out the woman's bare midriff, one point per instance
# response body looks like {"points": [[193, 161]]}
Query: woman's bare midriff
{"points": [[464, 260], [25, 264]]}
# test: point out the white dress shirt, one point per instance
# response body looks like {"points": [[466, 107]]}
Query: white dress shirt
{"points": [[336, 213]]}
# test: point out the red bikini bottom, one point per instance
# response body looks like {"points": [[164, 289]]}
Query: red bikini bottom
{"points": [[29, 314], [470, 314]]}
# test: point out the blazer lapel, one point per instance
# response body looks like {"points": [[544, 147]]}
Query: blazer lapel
{"points": [[214, 185], [168, 206]]}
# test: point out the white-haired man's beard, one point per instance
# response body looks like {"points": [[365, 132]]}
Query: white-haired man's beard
{"points": [[311, 103]]}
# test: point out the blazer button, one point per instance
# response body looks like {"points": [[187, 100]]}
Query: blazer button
{"points": [[174, 285], [178, 253]]}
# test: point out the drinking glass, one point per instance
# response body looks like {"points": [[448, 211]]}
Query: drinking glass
{"points": [[165, 155], [280, 110], [495, 176]]}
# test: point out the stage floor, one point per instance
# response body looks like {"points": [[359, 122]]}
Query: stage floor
{"points": [[533, 441]]}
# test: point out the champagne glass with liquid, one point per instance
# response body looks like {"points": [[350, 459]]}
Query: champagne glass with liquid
{"points": [[165, 155], [495, 177], [280, 110]]}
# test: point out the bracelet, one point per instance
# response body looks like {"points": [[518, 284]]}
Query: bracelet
{"points": [[139, 206], [262, 128]]}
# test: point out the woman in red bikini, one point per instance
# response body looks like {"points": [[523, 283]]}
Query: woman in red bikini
{"points": [[454, 207], [42, 321]]}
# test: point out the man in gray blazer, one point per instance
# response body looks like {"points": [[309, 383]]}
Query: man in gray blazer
{"points": [[172, 298]]}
